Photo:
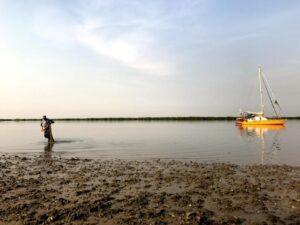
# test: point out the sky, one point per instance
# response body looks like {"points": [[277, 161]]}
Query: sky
{"points": [[119, 58]]}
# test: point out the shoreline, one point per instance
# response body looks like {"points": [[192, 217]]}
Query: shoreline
{"points": [[183, 118], [51, 190]]}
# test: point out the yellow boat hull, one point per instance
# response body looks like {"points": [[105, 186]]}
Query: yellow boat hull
{"points": [[262, 122]]}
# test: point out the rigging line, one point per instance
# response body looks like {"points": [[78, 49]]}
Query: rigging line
{"points": [[273, 95], [269, 86], [269, 95]]}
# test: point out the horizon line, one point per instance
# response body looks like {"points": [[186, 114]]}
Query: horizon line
{"points": [[158, 118]]}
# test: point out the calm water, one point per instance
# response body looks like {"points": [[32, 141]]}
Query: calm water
{"points": [[201, 141]]}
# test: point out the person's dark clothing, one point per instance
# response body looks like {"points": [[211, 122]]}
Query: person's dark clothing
{"points": [[45, 124]]}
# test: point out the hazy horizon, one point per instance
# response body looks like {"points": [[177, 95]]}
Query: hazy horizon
{"points": [[138, 58]]}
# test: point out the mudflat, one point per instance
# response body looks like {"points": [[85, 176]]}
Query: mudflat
{"points": [[42, 189]]}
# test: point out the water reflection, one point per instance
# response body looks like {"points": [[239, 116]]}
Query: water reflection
{"points": [[268, 154], [199, 141], [48, 150]]}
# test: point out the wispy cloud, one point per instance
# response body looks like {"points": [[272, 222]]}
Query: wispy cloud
{"points": [[129, 39], [128, 47], [93, 35]]}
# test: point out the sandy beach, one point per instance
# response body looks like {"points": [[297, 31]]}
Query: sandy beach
{"points": [[42, 189]]}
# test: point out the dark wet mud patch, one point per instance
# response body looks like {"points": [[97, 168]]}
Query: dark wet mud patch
{"points": [[50, 190]]}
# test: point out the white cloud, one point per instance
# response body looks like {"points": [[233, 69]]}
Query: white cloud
{"points": [[128, 48], [128, 42], [117, 48]]}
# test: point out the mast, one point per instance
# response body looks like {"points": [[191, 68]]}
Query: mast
{"points": [[261, 92]]}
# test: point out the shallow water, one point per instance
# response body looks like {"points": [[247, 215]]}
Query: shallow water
{"points": [[201, 141]]}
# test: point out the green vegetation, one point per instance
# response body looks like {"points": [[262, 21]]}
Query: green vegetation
{"points": [[189, 118]]}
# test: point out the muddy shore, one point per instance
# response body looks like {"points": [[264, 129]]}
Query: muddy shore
{"points": [[43, 189]]}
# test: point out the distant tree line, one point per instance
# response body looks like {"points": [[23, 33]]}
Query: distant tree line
{"points": [[189, 118]]}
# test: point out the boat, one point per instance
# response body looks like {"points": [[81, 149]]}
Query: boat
{"points": [[259, 118]]}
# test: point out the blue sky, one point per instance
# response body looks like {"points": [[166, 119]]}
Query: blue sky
{"points": [[79, 58]]}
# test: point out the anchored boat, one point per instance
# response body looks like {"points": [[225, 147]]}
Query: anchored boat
{"points": [[258, 118]]}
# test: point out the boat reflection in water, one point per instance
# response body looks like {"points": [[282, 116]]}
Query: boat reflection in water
{"points": [[271, 133]]}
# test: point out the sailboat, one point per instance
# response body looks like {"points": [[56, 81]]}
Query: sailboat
{"points": [[258, 118]]}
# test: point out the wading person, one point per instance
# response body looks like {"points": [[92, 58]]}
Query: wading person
{"points": [[46, 128]]}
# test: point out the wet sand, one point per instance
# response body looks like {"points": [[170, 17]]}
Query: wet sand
{"points": [[42, 189]]}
